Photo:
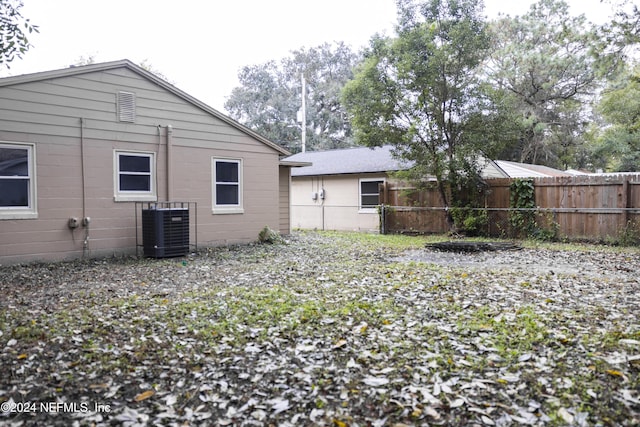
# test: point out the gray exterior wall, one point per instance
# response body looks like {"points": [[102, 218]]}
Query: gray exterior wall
{"points": [[72, 122], [285, 200]]}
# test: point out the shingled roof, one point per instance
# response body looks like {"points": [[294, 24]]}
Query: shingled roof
{"points": [[380, 159], [348, 160]]}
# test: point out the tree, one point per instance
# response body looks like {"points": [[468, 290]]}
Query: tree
{"points": [[266, 102], [13, 31], [619, 38], [420, 91], [617, 145], [269, 98], [145, 64], [549, 64], [84, 60]]}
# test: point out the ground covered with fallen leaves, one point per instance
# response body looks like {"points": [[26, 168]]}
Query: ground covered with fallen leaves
{"points": [[334, 329]]}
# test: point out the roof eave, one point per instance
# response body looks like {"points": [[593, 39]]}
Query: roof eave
{"points": [[294, 164], [303, 173]]}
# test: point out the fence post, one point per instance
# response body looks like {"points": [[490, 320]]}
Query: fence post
{"points": [[382, 219], [625, 201]]}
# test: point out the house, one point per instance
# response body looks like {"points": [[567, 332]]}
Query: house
{"points": [[84, 149], [340, 190]]}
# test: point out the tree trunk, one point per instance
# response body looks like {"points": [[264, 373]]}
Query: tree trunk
{"points": [[442, 189]]}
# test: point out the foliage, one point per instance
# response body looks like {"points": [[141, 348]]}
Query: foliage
{"points": [[522, 217], [619, 39], [547, 228], [85, 60], [267, 235], [629, 235], [545, 63], [468, 214], [532, 101], [471, 221], [617, 144], [269, 98], [14, 29], [419, 91], [145, 64]]}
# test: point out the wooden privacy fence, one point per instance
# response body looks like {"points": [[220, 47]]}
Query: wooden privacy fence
{"points": [[591, 207]]}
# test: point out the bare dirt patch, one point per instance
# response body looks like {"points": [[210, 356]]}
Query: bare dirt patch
{"points": [[540, 261]]}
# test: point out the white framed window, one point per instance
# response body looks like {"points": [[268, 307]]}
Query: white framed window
{"points": [[134, 176], [17, 181], [369, 194], [227, 186]]}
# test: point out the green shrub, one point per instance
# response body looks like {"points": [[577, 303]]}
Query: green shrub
{"points": [[268, 235], [471, 221]]}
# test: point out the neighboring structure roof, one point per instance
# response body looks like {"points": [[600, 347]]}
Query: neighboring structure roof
{"points": [[380, 159], [525, 170], [363, 160], [490, 169], [347, 161], [576, 172], [125, 63]]}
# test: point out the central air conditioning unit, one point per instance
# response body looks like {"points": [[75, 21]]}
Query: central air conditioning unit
{"points": [[165, 232]]}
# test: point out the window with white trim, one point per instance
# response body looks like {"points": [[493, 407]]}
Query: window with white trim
{"points": [[17, 181], [227, 186], [369, 194], [135, 174]]}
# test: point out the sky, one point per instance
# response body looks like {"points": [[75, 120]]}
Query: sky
{"points": [[200, 45]]}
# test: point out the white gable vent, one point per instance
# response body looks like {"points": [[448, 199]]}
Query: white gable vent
{"points": [[127, 107]]}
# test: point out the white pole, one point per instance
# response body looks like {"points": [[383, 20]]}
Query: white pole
{"points": [[304, 113]]}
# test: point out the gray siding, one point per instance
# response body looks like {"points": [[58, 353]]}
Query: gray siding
{"points": [[48, 113], [285, 200]]}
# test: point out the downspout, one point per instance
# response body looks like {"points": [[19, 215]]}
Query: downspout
{"points": [[321, 194], [169, 167], [157, 154], [304, 113], [85, 219]]}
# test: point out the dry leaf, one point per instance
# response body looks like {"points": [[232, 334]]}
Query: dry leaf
{"points": [[341, 343], [565, 415], [248, 334], [375, 381], [456, 403], [430, 411], [144, 395], [280, 405]]}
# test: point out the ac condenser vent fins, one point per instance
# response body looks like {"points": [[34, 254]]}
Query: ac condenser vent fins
{"points": [[126, 107]]}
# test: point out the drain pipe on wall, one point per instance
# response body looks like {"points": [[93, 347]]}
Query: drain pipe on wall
{"points": [[85, 219], [322, 194], [169, 167], [158, 154]]}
